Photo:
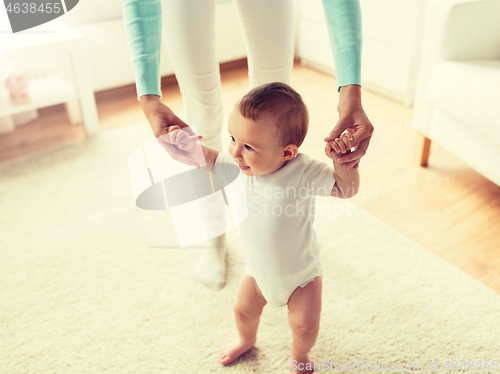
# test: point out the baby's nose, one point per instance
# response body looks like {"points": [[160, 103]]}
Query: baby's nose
{"points": [[236, 153]]}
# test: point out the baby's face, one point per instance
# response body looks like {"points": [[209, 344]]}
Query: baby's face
{"points": [[254, 146]]}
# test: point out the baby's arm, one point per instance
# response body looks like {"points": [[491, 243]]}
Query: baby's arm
{"points": [[210, 156], [346, 181]]}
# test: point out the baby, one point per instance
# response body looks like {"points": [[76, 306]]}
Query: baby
{"points": [[267, 127]]}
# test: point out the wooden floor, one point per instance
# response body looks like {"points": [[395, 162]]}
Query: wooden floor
{"points": [[447, 207]]}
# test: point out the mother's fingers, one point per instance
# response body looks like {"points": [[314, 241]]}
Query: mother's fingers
{"points": [[357, 132], [335, 133], [361, 134], [358, 153]]}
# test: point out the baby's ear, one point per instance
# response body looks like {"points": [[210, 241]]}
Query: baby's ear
{"points": [[289, 152]]}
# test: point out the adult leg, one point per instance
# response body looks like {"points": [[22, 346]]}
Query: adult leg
{"points": [[268, 31], [247, 310], [304, 309], [189, 32]]}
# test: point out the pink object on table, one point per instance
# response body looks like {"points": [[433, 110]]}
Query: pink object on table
{"points": [[17, 86]]}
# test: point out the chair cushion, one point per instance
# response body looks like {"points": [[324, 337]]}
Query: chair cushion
{"points": [[469, 91]]}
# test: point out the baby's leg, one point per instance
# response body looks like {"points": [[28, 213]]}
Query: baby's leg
{"points": [[247, 310], [304, 309]]}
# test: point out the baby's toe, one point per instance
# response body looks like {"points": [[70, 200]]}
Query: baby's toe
{"points": [[224, 359]]}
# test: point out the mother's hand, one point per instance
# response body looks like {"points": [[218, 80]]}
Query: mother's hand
{"points": [[352, 118], [161, 117]]}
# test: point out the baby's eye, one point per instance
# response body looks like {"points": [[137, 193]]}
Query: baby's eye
{"points": [[232, 139], [248, 147]]}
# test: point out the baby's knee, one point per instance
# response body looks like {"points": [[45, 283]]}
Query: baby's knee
{"points": [[246, 313], [304, 328]]}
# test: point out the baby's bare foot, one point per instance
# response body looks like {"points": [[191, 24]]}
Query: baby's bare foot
{"points": [[233, 350], [301, 365]]}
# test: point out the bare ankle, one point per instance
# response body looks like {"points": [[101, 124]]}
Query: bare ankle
{"points": [[248, 341], [299, 354]]}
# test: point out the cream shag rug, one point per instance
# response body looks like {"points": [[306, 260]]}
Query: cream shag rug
{"points": [[91, 284]]}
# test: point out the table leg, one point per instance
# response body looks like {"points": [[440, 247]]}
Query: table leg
{"points": [[85, 92]]}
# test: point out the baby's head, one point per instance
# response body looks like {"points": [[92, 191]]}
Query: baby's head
{"points": [[267, 126]]}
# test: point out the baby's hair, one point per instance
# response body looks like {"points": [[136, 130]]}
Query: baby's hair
{"points": [[286, 107]]}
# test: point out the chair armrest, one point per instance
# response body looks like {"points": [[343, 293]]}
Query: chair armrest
{"points": [[454, 30], [473, 31]]}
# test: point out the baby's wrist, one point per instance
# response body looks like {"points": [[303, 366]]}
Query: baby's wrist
{"points": [[334, 157]]}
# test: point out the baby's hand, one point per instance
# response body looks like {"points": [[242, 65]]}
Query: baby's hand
{"points": [[341, 145], [180, 138]]}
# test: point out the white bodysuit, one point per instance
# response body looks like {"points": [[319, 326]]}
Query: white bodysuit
{"points": [[281, 248]]}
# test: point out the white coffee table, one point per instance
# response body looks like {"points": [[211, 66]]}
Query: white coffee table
{"points": [[54, 37]]}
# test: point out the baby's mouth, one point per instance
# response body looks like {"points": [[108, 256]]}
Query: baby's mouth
{"points": [[244, 167]]}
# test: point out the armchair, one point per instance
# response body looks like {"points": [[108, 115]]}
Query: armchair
{"points": [[457, 103]]}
